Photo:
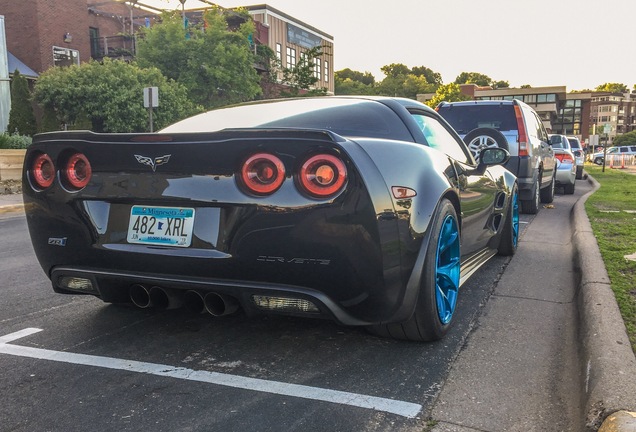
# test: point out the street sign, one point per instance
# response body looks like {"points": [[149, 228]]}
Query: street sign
{"points": [[607, 128], [151, 97]]}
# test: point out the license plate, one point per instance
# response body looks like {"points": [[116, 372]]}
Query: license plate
{"points": [[167, 226]]}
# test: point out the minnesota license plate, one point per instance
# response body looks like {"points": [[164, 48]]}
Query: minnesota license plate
{"points": [[167, 226]]}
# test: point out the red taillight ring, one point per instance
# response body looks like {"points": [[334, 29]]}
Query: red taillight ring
{"points": [[323, 175], [78, 171], [263, 173], [43, 171]]}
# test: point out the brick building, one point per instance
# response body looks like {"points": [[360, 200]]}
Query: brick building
{"points": [[45, 33]]}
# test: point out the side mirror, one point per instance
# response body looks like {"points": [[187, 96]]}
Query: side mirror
{"points": [[493, 156], [488, 157]]}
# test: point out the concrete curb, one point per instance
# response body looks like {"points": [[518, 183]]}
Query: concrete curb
{"points": [[11, 208], [609, 364]]}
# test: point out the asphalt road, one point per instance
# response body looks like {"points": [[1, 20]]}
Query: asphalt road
{"points": [[73, 363]]}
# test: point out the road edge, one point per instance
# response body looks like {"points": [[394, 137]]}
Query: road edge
{"points": [[608, 362]]}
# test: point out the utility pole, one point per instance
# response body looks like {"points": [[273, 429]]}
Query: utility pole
{"points": [[183, 12]]}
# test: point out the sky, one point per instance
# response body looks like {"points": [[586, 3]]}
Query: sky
{"points": [[577, 43]]}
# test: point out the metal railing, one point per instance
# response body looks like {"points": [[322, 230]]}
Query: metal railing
{"points": [[119, 46]]}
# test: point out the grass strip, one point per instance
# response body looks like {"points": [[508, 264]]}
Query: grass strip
{"points": [[612, 213]]}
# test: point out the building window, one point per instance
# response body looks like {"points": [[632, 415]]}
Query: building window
{"points": [[530, 98], [65, 56], [291, 58], [326, 70], [279, 52], [317, 69], [94, 34]]}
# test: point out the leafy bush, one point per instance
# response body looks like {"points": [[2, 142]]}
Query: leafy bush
{"points": [[14, 141], [108, 97]]}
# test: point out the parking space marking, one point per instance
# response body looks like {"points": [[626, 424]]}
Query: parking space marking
{"points": [[401, 408]]}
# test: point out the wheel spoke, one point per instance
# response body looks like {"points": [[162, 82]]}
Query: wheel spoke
{"points": [[515, 218], [447, 269]]}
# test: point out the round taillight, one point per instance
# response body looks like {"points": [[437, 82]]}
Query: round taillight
{"points": [[323, 175], [43, 171], [78, 171], [263, 173]]}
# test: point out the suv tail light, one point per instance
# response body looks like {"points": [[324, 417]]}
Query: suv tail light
{"points": [[523, 134], [263, 173], [78, 171], [43, 171], [322, 175]]}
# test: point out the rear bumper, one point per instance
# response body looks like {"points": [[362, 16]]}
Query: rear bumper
{"points": [[113, 287], [566, 175]]}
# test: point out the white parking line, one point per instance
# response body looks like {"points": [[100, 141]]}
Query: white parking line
{"points": [[405, 409]]}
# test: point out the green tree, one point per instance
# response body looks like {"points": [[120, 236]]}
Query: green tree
{"points": [[21, 117], [473, 78], [500, 84], [301, 78], [395, 70], [365, 78], [431, 76], [447, 93], [401, 81], [628, 138], [214, 63], [109, 95], [350, 82], [348, 86], [612, 88]]}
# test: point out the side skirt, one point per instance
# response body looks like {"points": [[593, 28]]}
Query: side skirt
{"points": [[472, 263]]}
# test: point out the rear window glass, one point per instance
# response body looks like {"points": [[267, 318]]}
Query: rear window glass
{"points": [[556, 141], [464, 118], [574, 143], [346, 117]]}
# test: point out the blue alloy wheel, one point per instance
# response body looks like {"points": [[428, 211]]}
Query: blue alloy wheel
{"points": [[515, 217], [447, 269]]}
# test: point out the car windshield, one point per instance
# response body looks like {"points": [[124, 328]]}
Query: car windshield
{"points": [[464, 118]]}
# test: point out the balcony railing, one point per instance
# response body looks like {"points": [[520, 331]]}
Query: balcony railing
{"points": [[120, 46]]}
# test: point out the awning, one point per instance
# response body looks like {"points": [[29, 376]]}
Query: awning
{"points": [[15, 63]]}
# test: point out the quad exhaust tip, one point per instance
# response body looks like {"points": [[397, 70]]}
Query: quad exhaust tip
{"points": [[216, 304]]}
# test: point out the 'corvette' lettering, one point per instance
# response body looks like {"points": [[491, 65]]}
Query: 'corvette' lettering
{"points": [[265, 258]]}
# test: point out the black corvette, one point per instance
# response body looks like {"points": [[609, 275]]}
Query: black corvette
{"points": [[368, 211]]}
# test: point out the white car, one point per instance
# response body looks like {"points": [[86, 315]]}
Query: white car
{"points": [[566, 169], [579, 155]]}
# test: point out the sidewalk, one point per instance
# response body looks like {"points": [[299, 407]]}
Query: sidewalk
{"points": [[11, 202], [550, 351]]}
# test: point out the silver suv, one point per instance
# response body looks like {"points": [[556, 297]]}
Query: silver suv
{"points": [[516, 127]]}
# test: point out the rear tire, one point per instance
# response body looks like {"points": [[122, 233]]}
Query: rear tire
{"points": [[437, 298], [569, 188], [547, 193], [510, 233], [531, 206], [579, 172]]}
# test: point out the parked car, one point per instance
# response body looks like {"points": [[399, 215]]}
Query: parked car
{"points": [[598, 157], [566, 165], [367, 211], [516, 127], [579, 155]]}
